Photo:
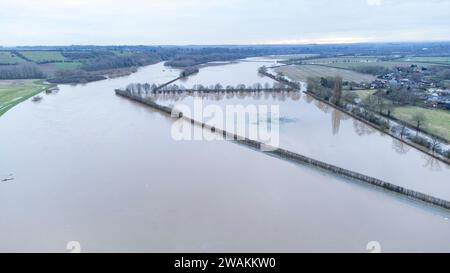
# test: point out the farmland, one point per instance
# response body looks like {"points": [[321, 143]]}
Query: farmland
{"points": [[339, 60], [444, 60], [292, 56], [43, 56], [7, 57], [357, 62], [303, 72], [437, 121], [13, 92], [362, 94]]}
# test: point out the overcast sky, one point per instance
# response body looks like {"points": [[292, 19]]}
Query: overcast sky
{"points": [[154, 22]]}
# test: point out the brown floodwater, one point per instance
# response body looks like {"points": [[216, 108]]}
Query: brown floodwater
{"points": [[314, 129], [92, 167]]}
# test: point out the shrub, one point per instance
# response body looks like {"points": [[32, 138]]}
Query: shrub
{"points": [[447, 154], [421, 141]]}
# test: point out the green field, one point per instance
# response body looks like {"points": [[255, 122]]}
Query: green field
{"points": [[343, 60], [7, 57], [43, 56], [123, 53], [362, 94], [290, 56], [438, 121], [303, 72], [355, 62], [51, 68], [433, 60], [13, 92], [354, 65]]}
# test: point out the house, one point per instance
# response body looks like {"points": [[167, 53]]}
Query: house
{"points": [[377, 84]]}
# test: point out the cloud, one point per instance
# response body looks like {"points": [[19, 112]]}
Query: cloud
{"points": [[374, 2], [34, 22]]}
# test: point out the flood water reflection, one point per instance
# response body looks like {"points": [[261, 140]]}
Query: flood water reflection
{"points": [[92, 167], [326, 134]]}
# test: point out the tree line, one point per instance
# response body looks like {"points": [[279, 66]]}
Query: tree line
{"points": [[147, 87], [23, 71], [113, 61]]}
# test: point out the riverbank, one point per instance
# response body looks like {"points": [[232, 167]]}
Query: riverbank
{"points": [[13, 92], [385, 131], [426, 143]]}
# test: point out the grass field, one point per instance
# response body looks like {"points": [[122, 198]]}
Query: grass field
{"points": [[13, 92], [43, 56], [302, 72], [343, 60], [7, 57], [291, 56], [122, 53], [383, 64], [354, 62], [438, 121], [433, 60], [362, 94], [51, 68]]}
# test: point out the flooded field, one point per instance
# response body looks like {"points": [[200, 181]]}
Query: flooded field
{"points": [[314, 129], [92, 167]]}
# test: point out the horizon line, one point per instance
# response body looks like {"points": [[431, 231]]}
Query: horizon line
{"points": [[225, 44]]}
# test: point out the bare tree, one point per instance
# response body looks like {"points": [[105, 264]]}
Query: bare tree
{"points": [[241, 87], [337, 91], [435, 144], [419, 119], [380, 104], [230, 88], [313, 85], [390, 109], [262, 69], [403, 131]]}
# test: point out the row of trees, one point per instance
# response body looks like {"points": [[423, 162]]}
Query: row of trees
{"points": [[113, 61], [25, 71], [376, 70], [146, 87], [400, 95], [74, 76], [329, 88], [186, 60]]}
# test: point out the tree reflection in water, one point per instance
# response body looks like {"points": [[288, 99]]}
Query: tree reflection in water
{"points": [[336, 118], [400, 147], [431, 163], [362, 129], [322, 106], [218, 96], [309, 99]]}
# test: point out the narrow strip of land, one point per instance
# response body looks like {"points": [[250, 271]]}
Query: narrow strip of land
{"points": [[13, 92]]}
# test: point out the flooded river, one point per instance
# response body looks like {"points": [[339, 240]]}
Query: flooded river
{"points": [[95, 168]]}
